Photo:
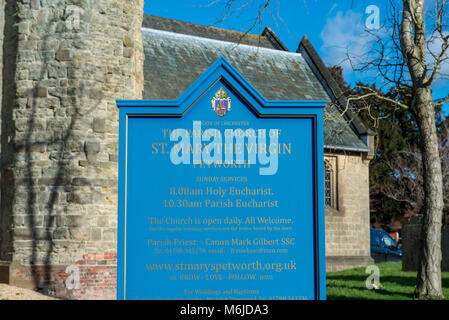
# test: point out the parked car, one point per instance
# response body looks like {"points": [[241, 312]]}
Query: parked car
{"points": [[384, 247]]}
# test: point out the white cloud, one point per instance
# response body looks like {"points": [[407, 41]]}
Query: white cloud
{"points": [[346, 40], [344, 34]]}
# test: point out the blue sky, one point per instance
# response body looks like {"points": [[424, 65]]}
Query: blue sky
{"points": [[333, 27]]}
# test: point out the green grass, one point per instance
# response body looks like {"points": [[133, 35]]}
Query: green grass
{"points": [[395, 284]]}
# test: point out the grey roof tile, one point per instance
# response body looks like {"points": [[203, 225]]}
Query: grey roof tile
{"points": [[175, 60], [183, 27]]}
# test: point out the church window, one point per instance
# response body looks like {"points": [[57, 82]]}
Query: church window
{"points": [[330, 186]]}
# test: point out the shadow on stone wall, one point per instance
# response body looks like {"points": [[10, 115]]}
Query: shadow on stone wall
{"points": [[22, 142], [10, 42]]}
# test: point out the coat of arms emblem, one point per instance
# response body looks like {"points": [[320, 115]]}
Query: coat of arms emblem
{"points": [[221, 103]]}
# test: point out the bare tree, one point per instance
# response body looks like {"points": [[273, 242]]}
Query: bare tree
{"points": [[408, 54], [403, 61], [407, 168]]}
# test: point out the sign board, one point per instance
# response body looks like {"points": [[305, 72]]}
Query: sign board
{"points": [[221, 194]]}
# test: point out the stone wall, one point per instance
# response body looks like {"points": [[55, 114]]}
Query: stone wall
{"points": [[66, 62], [348, 225], [411, 241], [2, 32], [92, 277]]}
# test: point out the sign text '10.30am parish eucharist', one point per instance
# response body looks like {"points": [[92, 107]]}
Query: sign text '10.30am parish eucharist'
{"points": [[220, 194]]}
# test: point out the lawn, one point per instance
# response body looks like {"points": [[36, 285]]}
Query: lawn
{"points": [[395, 284]]}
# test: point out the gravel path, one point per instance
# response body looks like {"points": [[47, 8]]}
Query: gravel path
{"points": [[14, 293]]}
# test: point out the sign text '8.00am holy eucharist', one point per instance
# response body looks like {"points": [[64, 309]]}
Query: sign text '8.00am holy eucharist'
{"points": [[221, 194]]}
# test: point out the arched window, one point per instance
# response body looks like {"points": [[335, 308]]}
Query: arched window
{"points": [[330, 185]]}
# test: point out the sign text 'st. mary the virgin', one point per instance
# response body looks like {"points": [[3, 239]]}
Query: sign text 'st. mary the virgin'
{"points": [[250, 142]]}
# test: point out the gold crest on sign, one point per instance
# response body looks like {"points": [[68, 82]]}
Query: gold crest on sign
{"points": [[221, 103]]}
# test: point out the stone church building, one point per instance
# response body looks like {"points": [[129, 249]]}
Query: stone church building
{"points": [[64, 64]]}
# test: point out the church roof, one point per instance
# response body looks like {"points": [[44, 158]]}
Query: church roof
{"points": [[181, 27], [177, 53]]}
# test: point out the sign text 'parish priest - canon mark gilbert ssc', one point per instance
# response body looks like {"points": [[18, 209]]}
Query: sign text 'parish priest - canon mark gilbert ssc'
{"points": [[220, 194]]}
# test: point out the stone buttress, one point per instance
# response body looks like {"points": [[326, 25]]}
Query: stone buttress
{"points": [[65, 63]]}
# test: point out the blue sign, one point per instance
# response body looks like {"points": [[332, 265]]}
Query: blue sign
{"points": [[221, 194]]}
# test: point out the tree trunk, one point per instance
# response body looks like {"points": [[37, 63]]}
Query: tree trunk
{"points": [[429, 271], [413, 44]]}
